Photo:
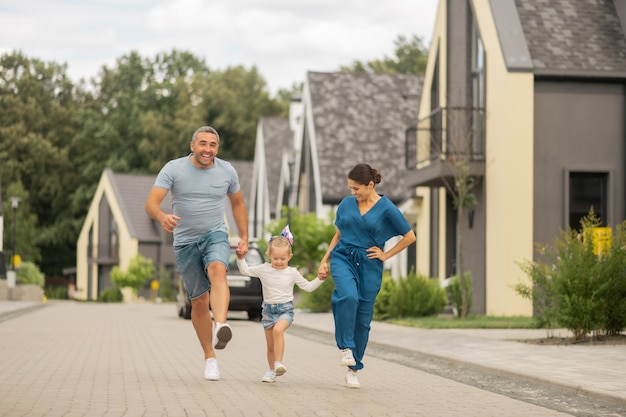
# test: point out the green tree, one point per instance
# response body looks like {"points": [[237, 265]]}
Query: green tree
{"points": [[410, 57], [140, 270], [27, 238], [29, 273], [234, 101], [37, 122], [56, 137]]}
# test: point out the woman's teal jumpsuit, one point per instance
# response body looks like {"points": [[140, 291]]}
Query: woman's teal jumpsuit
{"points": [[357, 278]]}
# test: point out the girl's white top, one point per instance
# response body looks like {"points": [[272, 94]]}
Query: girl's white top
{"points": [[278, 283]]}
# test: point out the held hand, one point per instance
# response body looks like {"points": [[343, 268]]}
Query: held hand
{"points": [[169, 222], [322, 271], [376, 253], [242, 248]]}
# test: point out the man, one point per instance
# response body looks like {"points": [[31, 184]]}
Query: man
{"points": [[199, 184]]}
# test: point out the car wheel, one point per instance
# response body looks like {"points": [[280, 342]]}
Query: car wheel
{"points": [[254, 314]]}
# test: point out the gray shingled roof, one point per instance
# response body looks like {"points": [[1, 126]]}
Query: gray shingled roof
{"points": [[244, 171], [362, 117], [277, 137], [573, 35], [131, 191]]}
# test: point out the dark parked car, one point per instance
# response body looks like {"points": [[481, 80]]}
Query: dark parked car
{"points": [[245, 292]]}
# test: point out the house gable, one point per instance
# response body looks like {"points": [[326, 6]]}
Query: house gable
{"points": [[353, 118], [274, 138]]}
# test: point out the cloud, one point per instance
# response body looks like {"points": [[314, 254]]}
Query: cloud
{"points": [[283, 38]]}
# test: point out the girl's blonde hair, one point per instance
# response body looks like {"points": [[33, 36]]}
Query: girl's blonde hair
{"points": [[279, 242]]}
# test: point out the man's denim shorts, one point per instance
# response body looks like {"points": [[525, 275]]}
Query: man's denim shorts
{"points": [[274, 312], [192, 261]]}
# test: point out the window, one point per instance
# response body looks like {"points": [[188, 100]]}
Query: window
{"points": [[478, 92], [113, 237], [587, 190]]}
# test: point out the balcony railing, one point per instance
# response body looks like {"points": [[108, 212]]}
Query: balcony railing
{"points": [[446, 134]]}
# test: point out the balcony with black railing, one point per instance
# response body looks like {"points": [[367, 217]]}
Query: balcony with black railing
{"points": [[443, 139]]}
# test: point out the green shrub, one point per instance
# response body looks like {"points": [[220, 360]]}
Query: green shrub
{"points": [[383, 300], [111, 295], [577, 286], [415, 296], [140, 269], [317, 301], [29, 273], [453, 291], [56, 293], [613, 314], [167, 286], [542, 293]]}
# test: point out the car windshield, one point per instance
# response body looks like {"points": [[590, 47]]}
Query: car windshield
{"points": [[253, 258]]}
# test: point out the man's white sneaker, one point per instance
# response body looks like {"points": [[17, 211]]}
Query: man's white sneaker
{"points": [[347, 359], [221, 335], [270, 376], [211, 371], [279, 368], [351, 380]]}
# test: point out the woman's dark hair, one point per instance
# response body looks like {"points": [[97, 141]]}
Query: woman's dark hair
{"points": [[363, 174]]}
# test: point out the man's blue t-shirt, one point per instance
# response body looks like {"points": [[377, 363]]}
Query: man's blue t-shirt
{"points": [[198, 196]]}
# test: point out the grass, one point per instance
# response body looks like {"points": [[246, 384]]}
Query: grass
{"points": [[473, 321]]}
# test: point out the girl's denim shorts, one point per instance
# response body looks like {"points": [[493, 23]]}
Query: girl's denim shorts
{"points": [[193, 259], [274, 312]]}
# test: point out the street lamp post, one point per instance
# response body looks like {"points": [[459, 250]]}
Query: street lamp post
{"points": [[15, 202], [11, 274]]}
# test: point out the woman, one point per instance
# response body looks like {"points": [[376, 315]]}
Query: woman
{"points": [[365, 221]]}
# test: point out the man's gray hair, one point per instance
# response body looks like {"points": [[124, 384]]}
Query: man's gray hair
{"points": [[205, 129]]}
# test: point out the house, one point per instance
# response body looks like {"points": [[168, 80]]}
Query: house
{"points": [[117, 228], [273, 147], [532, 94], [349, 118]]}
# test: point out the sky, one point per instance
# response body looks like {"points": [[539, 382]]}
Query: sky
{"points": [[283, 38]]}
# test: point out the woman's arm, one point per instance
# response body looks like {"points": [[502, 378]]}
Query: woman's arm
{"points": [[378, 253], [322, 271]]}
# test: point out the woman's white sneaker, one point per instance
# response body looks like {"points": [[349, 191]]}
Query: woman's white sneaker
{"points": [[351, 380], [347, 358]]}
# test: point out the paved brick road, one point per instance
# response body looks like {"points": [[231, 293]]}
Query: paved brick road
{"points": [[92, 359]]}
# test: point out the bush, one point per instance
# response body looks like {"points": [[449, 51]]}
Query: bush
{"points": [[167, 286], [139, 271], [382, 305], [412, 296], [454, 292], [578, 283], [29, 273], [317, 301], [542, 294], [111, 295], [56, 293]]}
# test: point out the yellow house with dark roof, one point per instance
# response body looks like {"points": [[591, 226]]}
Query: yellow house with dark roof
{"points": [[533, 95]]}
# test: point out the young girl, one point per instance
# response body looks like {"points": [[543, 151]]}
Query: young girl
{"points": [[277, 279]]}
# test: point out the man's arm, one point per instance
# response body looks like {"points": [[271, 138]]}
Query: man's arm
{"points": [[153, 208], [240, 213]]}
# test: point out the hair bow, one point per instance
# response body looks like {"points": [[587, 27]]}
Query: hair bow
{"points": [[286, 233]]}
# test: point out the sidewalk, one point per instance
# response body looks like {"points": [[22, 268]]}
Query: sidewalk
{"points": [[592, 369]]}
